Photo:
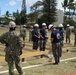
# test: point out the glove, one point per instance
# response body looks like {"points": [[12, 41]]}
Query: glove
{"points": [[20, 52], [6, 44]]}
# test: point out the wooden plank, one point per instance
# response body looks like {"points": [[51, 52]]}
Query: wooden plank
{"points": [[35, 53], [27, 54], [32, 54]]}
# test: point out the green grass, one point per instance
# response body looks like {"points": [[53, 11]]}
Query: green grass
{"points": [[62, 69]]}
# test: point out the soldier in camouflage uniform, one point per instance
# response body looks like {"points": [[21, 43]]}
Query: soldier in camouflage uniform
{"points": [[30, 33], [23, 32], [13, 49], [68, 33]]}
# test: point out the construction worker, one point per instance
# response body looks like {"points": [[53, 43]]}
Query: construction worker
{"points": [[23, 32], [30, 33], [55, 40], [13, 48], [68, 34], [43, 38], [35, 36], [62, 37]]}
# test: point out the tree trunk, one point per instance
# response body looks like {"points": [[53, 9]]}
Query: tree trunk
{"points": [[69, 14]]}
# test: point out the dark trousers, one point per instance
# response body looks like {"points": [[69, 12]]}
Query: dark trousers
{"points": [[67, 38], [56, 51], [35, 45], [42, 45]]}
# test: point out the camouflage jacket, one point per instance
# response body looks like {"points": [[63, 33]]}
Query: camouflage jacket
{"points": [[68, 31], [23, 31], [12, 42]]}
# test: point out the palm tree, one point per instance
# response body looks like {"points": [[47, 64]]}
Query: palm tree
{"points": [[50, 11], [64, 5], [70, 6], [17, 17], [7, 14], [36, 5], [74, 8]]}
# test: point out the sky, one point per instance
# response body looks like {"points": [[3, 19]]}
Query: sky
{"points": [[13, 5]]}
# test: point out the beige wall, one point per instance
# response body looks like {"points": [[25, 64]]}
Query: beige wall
{"points": [[60, 15]]}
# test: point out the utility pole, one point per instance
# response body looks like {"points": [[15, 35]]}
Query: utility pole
{"points": [[23, 12], [23, 9]]}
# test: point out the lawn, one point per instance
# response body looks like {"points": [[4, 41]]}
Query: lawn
{"points": [[64, 68]]}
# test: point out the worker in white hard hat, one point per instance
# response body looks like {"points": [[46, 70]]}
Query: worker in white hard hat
{"points": [[60, 26], [36, 26], [62, 37], [55, 40], [61, 32], [13, 49], [35, 36], [68, 32], [43, 38]]}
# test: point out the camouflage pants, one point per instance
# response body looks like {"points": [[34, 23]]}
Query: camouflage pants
{"points": [[56, 51], [42, 45], [30, 37], [11, 60], [35, 45], [67, 38], [23, 37], [61, 45]]}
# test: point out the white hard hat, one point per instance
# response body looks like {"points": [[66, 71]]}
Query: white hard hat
{"points": [[68, 25], [24, 25], [51, 26], [60, 25], [12, 24], [31, 27], [36, 25], [43, 24]]}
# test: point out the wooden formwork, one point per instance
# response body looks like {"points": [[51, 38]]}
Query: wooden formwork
{"points": [[31, 52]]}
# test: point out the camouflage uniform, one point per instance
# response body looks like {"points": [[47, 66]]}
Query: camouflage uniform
{"points": [[23, 33], [12, 51], [67, 34], [13, 48], [30, 34]]}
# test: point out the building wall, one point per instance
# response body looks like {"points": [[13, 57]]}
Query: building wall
{"points": [[60, 15]]}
